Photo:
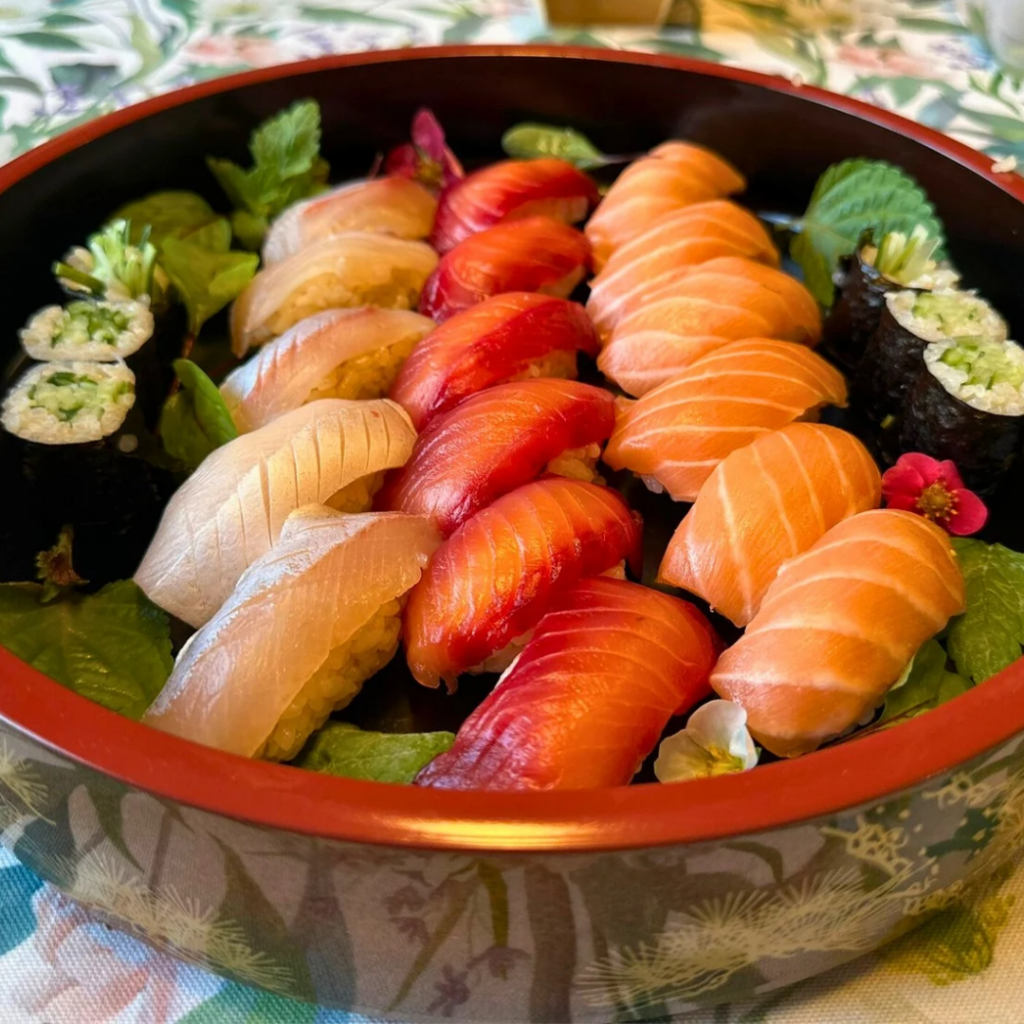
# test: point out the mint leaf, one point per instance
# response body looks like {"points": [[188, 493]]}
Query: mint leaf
{"points": [[168, 214], [195, 420], [343, 749], [290, 141], [530, 140], [849, 199], [989, 635], [214, 235], [113, 647], [206, 280], [926, 685], [249, 228]]}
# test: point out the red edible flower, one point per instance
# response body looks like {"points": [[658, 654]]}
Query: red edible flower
{"points": [[933, 489], [426, 159]]}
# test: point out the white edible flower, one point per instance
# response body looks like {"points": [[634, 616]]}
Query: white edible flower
{"points": [[714, 742]]}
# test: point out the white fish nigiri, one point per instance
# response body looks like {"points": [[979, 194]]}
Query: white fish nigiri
{"points": [[307, 624], [383, 206], [355, 269], [343, 353], [231, 509]]}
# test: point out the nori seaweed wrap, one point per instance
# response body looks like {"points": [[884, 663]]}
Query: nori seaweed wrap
{"points": [[910, 322], [967, 404]]}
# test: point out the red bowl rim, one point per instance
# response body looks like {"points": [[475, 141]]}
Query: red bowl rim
{"points": [[860, 772]]}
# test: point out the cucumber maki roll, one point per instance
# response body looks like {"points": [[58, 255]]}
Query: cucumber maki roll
{"points": [[966, 405], [69, 403], [911, 321], [870, 274], [88, 331]]}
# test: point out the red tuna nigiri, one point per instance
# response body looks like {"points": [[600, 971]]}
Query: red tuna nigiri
{"points": [[496, 576], [537, 254], [497, 440], [511, 190], [589, 696], [508, 337]]}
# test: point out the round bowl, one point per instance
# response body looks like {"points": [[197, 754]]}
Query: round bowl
{"points": [[410, 904]]}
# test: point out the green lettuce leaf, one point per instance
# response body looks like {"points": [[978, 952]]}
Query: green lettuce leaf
{"points": [[926, 684], [168, 214], [113, 647], [195, 420], [990, 634], [206, 278], [530, 140], [849, 199], [343, 749]]}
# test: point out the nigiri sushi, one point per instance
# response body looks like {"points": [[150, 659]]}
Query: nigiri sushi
{"points": [[334, 273], [383, 206], [496, 440], [511, 190], [682, 241], [763, 505], [508, 337], [577, 711], [537, 254], [495, 577], [230, 510], [671, 176], [343, 353], [675, 435], [308, 623], [727, 299], [838, 627]]}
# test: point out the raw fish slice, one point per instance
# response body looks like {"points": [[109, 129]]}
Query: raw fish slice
{"points": [[537, 254], [589, 695], [384, 206], [231, 509], [494, 442], [838, 627], [683, 241], [343, 353], [763, 505], [674, 175], [335, 273], [512, 190], [505, 338], [496, 576], [307, 624], [675, 435]]}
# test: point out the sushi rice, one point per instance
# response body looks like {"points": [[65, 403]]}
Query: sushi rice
{"points": [[369, 375], [87, 330], [358, 495], [986, 375], [939, 315], [578, 464], [69, 402]]}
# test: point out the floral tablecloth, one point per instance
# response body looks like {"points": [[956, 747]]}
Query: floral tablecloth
{"points": [[66, 61]]}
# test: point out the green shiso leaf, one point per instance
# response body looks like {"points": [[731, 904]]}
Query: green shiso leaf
{"points": [[990, 634], [926, 684], [343, 749], [195, 420], [168, 214], [529, 140], [851, 198], [287, 167], [112, 647]]}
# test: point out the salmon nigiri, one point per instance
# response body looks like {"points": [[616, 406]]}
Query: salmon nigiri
{"points": [[509, 337], [231, 509], [335, 273], [537, 254], [308, 623], [682, 241], [511, 190], [838, 627], [674, 436], [674, 175], [727, 299], [343, 353], [763, 505], [384, 206], [574, 712], [495, 441], [495, 577]]}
